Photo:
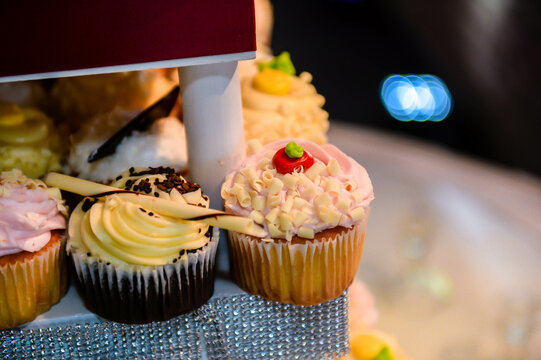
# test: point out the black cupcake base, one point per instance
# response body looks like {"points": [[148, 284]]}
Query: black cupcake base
{"points": [[139, 295]]}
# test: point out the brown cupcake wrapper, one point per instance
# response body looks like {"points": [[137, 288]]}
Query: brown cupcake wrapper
{"points": [[306, 273], [135, 294], [31, 283]]}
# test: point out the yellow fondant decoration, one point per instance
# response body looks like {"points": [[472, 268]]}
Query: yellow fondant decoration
{"points": [[274, 82], [366, 346]]}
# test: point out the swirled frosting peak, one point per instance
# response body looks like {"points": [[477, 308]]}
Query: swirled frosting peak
{"points": [[27, 141], [276, 105], [334, 191], [121, 232], [28, 212]]}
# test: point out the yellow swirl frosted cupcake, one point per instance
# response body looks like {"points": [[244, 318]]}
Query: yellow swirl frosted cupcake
{"points": [[135, 266], [276, 104], [313, 201], [28, 141]]}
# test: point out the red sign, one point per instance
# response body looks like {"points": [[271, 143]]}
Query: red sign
{"points": [[52, 36]]}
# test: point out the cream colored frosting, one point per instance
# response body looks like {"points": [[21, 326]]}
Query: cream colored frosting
{"points": [[28, 213], [163, 144], [31, 145], [272, 117], [120, 232], [335, 191]]}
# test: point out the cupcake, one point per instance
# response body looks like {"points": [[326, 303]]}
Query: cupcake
{"points": [[77, 99], [163, 144], [277, 104], [32, 257], [313, 202], [137, 266], [28, 141]]}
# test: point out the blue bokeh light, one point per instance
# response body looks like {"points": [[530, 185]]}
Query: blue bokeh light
{"points": [[416, 97]]}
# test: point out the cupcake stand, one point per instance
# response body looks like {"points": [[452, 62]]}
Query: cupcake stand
{"points": [[205, 40]]}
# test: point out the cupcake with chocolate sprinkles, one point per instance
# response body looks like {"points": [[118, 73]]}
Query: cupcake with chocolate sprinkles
{"points": [[137, 266]]}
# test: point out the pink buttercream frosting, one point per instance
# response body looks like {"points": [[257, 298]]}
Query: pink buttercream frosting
{"points": [[350, 190], [28, 213]]}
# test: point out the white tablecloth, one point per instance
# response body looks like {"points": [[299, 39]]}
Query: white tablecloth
{"points": [[482, 224]]}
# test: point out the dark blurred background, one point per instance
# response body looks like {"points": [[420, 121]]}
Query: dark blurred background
{"points": [[488, 53]]}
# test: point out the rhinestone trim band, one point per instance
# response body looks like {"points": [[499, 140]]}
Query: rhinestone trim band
{"points": [[231, 327]]}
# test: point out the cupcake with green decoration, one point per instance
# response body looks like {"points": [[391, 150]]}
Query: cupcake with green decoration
{"points": [[278, 104], [134, 264], [28, 141], [313, 202]]}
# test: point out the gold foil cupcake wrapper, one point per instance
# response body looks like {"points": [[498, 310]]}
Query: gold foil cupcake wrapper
{"points": [[302, 274], [30, 286], [141, 294]]}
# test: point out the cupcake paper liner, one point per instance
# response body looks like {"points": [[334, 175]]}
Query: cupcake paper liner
{"points": [[301, 273], [30, 283], [136, 294]]}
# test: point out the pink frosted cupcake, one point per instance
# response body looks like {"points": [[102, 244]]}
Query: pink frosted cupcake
{"points": [[313, 202], [32, 256]]}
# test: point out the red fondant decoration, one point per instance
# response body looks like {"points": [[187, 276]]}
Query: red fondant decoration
{"points": [[285, 165], [45, 36]]}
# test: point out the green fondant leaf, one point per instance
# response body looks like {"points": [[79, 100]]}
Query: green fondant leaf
{"points": [[281, 63]]}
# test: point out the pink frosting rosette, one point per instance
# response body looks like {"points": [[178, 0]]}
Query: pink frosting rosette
{"points": [[28, 213]]}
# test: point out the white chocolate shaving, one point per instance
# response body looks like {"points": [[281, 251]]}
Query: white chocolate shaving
{"points": [[285, 221], [287, 205], [334, 217], [192, 197], [274, 200], [323, 199], [257, 217], [240, 179], [357, 213], [267, 176], [263, 164], [333, 186], [291, 181], [254, 146], [316, 169], [274, 231], [257, 184], [176, 196], [333, 167], [272, 215], [306, 232], [299, 203], [258, 203], [357, 196], [343, 203], [242, 195], [299, 218], [275, 186], [308, 192]]}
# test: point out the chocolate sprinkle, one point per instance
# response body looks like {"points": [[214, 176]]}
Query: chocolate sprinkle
{"points": [[143, 210], [150, 214], [87, 203]]}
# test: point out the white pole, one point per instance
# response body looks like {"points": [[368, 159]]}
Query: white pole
{"points": [[212, 110]]}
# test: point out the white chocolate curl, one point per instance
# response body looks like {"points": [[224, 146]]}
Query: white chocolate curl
{"points": [[158, 205], [334, 191]]}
